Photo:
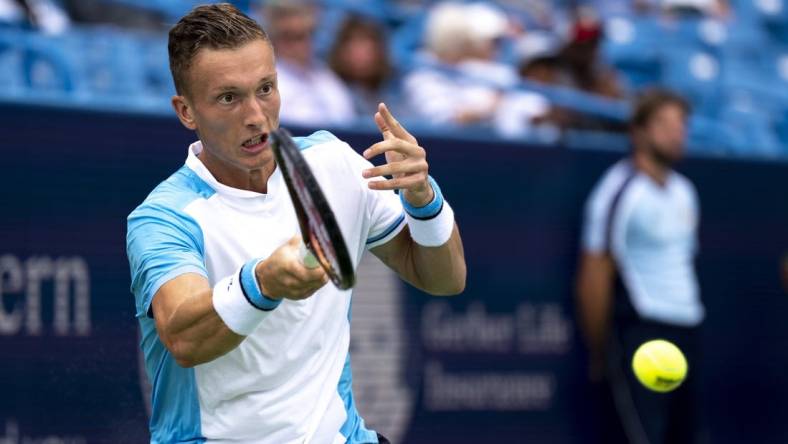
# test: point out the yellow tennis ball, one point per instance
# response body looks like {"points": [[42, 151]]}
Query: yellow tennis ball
{"points": [[659, 365]]}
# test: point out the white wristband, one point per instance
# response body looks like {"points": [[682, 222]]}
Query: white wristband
{"points": [[432, 232], [235, 309]]}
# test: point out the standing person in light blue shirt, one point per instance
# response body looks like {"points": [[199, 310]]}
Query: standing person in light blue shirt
{"points": [[637, 277]]}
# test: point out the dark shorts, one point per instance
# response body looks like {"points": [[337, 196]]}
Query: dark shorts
{"points": [[644, 416]]}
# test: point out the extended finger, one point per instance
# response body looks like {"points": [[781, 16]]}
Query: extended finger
{"points": [[398, 145], [397, 183], [383, 127], [394, 168], [393, 124]]}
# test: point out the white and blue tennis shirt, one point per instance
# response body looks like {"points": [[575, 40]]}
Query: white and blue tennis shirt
{"points": [[650, 230], [290, 380]]}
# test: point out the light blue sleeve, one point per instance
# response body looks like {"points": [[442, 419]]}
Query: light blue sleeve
{"points": [[594, 224], [162, 243]]}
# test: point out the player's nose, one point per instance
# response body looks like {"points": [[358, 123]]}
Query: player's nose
{"points": [[254, 115]]}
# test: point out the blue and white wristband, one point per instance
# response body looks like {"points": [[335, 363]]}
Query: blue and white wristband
{"points": [[238, 300], [251, 287], [432, 224]]}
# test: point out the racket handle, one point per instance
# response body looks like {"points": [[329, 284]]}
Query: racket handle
{"points": [[306, 257]]}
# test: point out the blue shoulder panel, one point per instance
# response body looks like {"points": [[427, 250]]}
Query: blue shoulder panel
{"points": [[162, 241], [175, 413], [313, 139], [354, 428]]}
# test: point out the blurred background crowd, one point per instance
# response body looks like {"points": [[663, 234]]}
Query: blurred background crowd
{"points": [[536, 71]]}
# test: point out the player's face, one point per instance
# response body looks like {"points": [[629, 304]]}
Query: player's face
{"points": [[233, 104], [665, 134]]}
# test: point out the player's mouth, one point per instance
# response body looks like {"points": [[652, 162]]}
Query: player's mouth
{"points": [[256, 144]]}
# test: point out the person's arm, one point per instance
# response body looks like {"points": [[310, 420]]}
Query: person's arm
{"points": [[429, 254], [594, 302], [185, 309], [435, 270], [187, 323]]}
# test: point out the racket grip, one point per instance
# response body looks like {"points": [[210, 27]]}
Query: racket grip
{"points": [[306, 257]]}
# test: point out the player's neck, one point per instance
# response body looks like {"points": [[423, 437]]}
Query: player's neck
{"points": [[257, 181], [650, 166], [251, 180]]}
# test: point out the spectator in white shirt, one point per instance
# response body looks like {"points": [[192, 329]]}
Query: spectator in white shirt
{"points": [[459, 82], [312, 94]]}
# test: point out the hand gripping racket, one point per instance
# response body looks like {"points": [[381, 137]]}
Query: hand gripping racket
{"points": [[319, 229]]}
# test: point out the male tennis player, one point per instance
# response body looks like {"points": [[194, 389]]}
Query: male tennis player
{"points": [[242, 343], [637, 278]]}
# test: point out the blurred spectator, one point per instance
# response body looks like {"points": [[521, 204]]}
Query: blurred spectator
{"points": [[360, 58], [43, 15], [488, 26], [580, 59], [436, 90], [637, 277], [537, 56], [517, 112], [459, 80], [311, 93]]}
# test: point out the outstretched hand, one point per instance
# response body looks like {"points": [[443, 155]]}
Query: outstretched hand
{"points": [[406, 161]]}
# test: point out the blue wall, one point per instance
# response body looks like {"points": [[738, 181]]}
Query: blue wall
{"points": [[68, 179]]}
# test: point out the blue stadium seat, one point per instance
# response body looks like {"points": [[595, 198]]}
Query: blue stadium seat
{"points": [[169, 10], [406, 41], [107, 61], [695, 73], [753, 131], [369, 8], [631, 44], [774, 62], [774, 16], [34, 63], [758, 75], [695, 32], [325, 35], [11, 65], [157, 80], [708, 136], [781, 127]]}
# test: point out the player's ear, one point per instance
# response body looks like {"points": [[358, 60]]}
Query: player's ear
{"points": [[183, 110]]}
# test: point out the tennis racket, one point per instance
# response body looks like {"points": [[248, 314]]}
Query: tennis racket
{"points": [[323, 243]]}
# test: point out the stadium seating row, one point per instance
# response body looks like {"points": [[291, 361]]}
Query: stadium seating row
{"points": [[734, 72]]}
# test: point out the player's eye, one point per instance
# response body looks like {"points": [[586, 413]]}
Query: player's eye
{"points": [[266, 89], [226, 98]]}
